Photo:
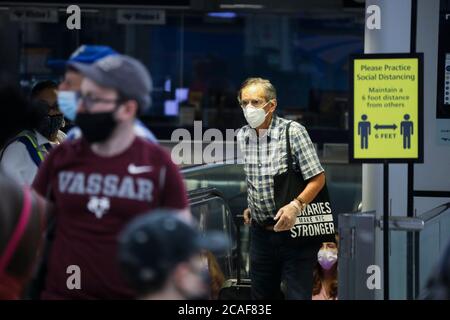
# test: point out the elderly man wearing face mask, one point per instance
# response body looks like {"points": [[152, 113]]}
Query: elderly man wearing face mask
{"points": [[23, 154], [263, 146]]}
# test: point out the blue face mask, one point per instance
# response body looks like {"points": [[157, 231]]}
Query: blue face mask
{"points": [[67, 103]]}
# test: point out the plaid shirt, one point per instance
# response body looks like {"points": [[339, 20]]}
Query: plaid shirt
{"points": [[266, 156]]}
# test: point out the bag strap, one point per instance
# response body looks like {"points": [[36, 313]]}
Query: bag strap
{"points": [[30, 144], [32, 148], [33, 139], [288, 148]]}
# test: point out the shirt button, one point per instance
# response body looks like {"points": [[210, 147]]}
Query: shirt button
{"points": [[260, 164]]}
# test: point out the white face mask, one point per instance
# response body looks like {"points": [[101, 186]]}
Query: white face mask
{"points": [[327, 258], [255, 116]]}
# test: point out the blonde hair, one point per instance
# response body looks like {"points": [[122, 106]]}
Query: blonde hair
{"points": [[269, 89]]}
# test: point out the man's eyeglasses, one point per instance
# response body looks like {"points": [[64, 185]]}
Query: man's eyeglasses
{"points": [[255, 103], [89, 101]]}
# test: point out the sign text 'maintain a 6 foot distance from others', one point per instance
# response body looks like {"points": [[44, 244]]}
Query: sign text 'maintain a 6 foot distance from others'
{"points": [[386, 121]]}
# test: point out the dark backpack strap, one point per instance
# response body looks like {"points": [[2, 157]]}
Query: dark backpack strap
{"points": [[288, 147]]}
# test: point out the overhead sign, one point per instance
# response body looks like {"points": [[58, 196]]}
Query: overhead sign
{"points": [[387, 112], [33, 15], [181, 4], [141, 16]]}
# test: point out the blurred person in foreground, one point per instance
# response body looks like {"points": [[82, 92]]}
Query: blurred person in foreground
{"points": [[98, 183], [163, 257], [68, 96], [21, 223]]}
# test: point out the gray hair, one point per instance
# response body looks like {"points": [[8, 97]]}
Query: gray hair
{"points": [[269, 89]]}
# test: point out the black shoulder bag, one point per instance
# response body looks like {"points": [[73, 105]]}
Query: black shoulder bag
{"points": [[315, 224]]}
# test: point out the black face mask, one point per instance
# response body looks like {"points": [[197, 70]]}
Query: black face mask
{"points": [[96, 127], [50, 125]]}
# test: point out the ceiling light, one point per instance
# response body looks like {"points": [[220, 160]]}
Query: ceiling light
{"points": [[241, 6]]}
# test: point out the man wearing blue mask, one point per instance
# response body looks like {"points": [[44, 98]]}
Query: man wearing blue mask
{"points": [[71, 84]]}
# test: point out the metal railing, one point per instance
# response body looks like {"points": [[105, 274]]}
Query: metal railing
{"points": [[357, 233]]}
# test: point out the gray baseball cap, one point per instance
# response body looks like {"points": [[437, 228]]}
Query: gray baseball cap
{"points": [[120, 72]]}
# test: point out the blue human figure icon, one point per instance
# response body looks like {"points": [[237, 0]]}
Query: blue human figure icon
{"points": [[364, 131], [406, 129]]}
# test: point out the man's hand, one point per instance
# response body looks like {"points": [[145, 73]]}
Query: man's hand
{"points": [[247, 216], [286, 217]]}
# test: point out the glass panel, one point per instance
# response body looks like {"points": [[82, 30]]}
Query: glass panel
{"points": [[431, 243], [397, 265], [343, 180], [429, 250], [230, 180], [433, 240], [212, 215], [344, 183]]}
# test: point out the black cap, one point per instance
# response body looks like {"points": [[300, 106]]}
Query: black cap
{"points": [[120, 72], [153, 244]]}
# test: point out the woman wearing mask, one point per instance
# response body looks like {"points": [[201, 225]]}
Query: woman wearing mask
{"points": [[24, 153], [325, 273]]}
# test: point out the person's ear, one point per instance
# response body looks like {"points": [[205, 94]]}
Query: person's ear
{"points": [[129, 110], [273, 105]]}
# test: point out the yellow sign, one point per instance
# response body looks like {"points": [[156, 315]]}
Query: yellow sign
{"points": [[386, 108]]}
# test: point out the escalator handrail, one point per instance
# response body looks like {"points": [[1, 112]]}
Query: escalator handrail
{"points": [[198, 167], [205, 193]]}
